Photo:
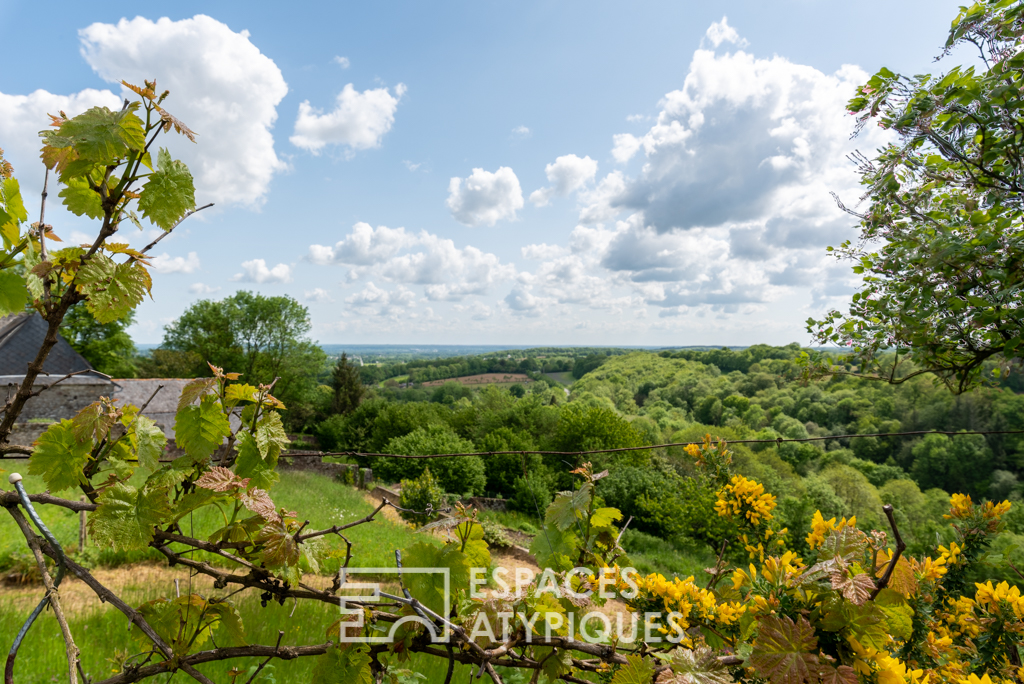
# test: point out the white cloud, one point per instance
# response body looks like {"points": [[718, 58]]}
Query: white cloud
{"points": [[412, 167], [567, 174], [359, 120], [202, 289], [364, 246], [445, 271], [522, 132], [542, 251], [485, 198], [720, 32], [381, 301], [625, 147], [256, 271], [221, 85], [164, 263], [318, 294], [748, 139], [343, 62]]}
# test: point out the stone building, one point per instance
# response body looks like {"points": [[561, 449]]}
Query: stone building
{"points": [[21, 335]]}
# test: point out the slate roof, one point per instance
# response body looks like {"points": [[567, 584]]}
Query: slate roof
{"points": [[20, 338]]}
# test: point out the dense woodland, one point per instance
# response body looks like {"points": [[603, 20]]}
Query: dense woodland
{"points": [[649, 398]]}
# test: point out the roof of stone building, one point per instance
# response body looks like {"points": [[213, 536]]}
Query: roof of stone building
{"points": [[21, 335], [137, 392]]}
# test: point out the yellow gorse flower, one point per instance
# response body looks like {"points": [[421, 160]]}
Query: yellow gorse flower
{"points": [[820, 527], [992, 598], [745, 499]]}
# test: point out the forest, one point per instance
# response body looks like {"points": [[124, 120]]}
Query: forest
{"points": [[758, 393]]}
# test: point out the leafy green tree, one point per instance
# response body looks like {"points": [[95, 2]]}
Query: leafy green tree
{"points": [[960, 464], [461, 475], [264, 337], [941, 249], [347, 385], [106, 346]]}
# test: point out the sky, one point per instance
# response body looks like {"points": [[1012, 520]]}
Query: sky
{"points": [[531, 172]]}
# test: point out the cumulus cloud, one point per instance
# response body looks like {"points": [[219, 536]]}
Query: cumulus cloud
{"points": [[165, 263], [745, 139], [445, 271], [221, 85], [567, 174], [364, 246], [358, 121], [383, 301], [318, 294], [256, 271], [202, 289], [720, 32], [521, 132], [625, 146], [341, 61], [484, 198]]}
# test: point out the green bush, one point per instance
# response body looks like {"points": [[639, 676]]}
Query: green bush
{"points": [[418, 495], [531, 494], [462, 475], [494, 534]]}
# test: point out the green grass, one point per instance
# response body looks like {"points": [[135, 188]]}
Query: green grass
{"points": [[650, 554], [513, 520], [102, 631], [321, 500]]}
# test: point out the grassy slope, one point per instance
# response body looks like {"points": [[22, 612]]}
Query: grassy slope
{"points": [[101, 630]]}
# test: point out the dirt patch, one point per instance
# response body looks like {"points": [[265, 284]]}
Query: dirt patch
{"points": [[483, 379]]}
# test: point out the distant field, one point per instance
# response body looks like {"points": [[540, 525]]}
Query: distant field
{"points": [[483, 379]]}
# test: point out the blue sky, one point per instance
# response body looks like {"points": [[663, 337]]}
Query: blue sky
{"points": [[643, 173]]}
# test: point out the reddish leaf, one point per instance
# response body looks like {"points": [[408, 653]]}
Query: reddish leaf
{"points": [[259, 502], [784, 651], [220, 479]]}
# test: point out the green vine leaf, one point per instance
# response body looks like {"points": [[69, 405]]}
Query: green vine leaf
{"points": [[112, 289], [342, 665], [13, 295], [148, 440], [201, 429], [80, 199], [98, 135], [699, 666], [568, 507], [169, 193], [428, 587], [635, 671], [126, 516], [783, 651], [251, 463], [59, 458], [555, 549]]}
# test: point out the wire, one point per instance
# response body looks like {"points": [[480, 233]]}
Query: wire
{"points": [[777, 440]]}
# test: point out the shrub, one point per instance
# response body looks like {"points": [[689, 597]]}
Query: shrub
{"points": [[418, 495], [531, 494], [494, 534], [462, 475]]}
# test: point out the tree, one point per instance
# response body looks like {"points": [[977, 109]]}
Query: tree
{"points": [[265, 338], [941, 249], [347, 385], [106, 346]]}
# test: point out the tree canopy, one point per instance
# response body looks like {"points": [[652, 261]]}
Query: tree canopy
{"points": [[941, 242]]}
